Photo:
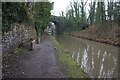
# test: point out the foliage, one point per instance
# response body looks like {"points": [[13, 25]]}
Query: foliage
{"points": [[41, 15], [12, 12], [30, 12], [98, 13], [75, 16], [116, 12]]}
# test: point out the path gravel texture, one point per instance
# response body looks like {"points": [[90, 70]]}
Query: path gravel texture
{"points": [[39, 63]]}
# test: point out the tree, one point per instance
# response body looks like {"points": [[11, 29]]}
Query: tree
{"points": [[41, 16], [110, 11], [116, 12], [12, 13], [100, 13], [91, 16]]}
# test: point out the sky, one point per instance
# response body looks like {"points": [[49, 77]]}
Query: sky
{"points": [[59, 5], [62, 5]]}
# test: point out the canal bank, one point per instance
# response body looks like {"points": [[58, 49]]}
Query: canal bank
{"points": [[109, 35], [99, 60], [67, 64], [100, 40]]}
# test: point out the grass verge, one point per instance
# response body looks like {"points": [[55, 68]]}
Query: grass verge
{"points": [[68, 66]]}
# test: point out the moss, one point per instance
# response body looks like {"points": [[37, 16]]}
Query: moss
{"points": [[19, 50], [68, 66]]}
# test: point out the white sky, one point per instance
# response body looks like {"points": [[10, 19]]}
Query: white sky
{"points": [[59, 5], [62, 5]]}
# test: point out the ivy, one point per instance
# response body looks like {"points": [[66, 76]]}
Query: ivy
{"points": [[12, 12]]}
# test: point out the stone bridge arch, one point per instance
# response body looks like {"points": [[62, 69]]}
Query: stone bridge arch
{"points": [[57, 22]]}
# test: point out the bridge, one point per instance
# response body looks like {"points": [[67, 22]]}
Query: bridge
{"points": [[57, 20]]}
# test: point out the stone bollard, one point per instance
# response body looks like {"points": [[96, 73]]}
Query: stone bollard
{"points": [[31, 44], [28, 44]]}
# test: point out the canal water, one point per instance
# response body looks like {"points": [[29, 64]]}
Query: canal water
{"points": [[98, 60]]}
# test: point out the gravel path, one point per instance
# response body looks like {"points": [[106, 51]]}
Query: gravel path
{"points": [[39, 63]]}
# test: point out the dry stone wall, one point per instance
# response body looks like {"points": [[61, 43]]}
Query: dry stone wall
{"points": [[20, 33]]}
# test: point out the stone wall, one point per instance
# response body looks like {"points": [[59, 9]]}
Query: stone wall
{"points": [[20, 33]]}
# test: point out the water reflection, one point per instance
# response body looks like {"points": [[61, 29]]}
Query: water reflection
{"points": [[98, 60]]}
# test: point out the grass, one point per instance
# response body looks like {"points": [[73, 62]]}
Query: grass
{"points": [[18, 50], [68, 66]]}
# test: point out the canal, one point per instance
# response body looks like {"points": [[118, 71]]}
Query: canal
{"points": [[98, 60]]}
